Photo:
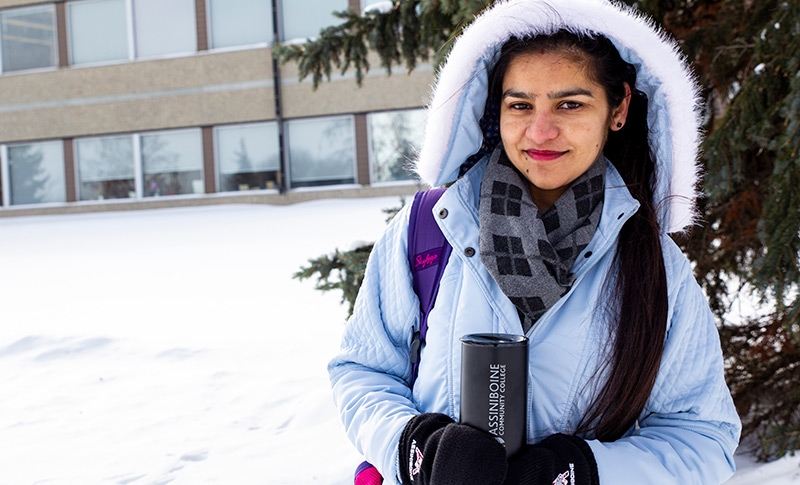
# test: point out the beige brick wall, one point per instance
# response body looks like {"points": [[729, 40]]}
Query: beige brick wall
{"points": [[196, 90], [342, 94]]}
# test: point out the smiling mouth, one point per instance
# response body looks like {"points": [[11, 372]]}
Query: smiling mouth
{"points": [[544, 155]]}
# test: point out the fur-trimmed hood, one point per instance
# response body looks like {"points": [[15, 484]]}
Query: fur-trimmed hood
{"points": [[453, 133]]}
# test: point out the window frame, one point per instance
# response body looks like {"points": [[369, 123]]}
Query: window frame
{"points": [[52, 7], [140, 163], [231, 48], [130, 38], [5, 173], [77, 168], [218, 161], [282, 29], [5, 183], [371, 152], [290, 165]]}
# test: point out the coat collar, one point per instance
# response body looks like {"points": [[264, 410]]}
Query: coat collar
{"points": [[464, 196]]}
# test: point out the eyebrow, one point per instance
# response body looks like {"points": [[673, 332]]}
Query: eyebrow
{"points": [[557, 95]]}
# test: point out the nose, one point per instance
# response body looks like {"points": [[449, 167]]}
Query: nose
{"points": [[542, 127]]}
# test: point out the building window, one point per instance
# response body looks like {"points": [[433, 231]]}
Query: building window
{"points": [[240, 22], [248, 156], [394, 139], [172, 163], [36, 173], [105, 168], [99, 29], [164, 27], [321, 151], [302, 20], [29, 38]]}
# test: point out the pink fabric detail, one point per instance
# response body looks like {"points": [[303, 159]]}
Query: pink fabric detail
{"points": [[369, 476]]}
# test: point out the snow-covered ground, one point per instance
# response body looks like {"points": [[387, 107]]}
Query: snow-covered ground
{"points": [[173, 346]]}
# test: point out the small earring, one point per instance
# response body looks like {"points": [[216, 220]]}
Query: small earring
{"points": [[619, 124]]}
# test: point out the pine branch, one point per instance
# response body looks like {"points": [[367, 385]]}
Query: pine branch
{"points": [[412, 31], [342, 271]]}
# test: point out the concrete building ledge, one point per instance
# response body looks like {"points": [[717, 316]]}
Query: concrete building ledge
{"points": [[262, 197]]}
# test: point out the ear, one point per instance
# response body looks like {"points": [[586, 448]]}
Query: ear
{"points": [[620, 114]]}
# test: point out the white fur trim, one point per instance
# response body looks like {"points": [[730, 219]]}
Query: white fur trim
{"points": [[452, 131]]}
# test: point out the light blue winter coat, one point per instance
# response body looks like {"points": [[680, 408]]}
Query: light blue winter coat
{"points": [[689, 429]]}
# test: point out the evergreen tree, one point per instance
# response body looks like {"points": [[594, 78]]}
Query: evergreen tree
{"points": [[746, 55]]}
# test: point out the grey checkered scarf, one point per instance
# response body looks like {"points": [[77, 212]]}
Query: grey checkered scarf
{"points": [[530, 254]]}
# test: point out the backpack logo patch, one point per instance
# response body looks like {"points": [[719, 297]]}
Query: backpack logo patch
{"points": [[427, 259]]}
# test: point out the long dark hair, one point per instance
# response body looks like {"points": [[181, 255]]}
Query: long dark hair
{"points": [[638, 289]]}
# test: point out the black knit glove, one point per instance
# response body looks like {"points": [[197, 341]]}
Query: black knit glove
{"points": [[435, 450], [554, 461]]}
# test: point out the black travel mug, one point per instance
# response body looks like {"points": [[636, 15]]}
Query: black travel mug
{"points": [[494, 386]]}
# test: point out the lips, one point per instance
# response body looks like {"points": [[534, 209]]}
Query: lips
{"points": [[544, 155]]}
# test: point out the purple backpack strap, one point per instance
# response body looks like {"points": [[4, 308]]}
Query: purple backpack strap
{"points": [[428, 252]]}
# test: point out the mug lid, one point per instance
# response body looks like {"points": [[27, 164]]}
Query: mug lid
{"points": [[495, 339]]}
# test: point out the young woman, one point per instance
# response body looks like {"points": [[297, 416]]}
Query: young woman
{"points": [[569, 130]]}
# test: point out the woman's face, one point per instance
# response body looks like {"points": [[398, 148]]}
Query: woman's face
{"points": [[554, 121]]}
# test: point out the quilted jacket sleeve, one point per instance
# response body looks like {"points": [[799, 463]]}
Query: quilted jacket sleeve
{"points": [[690, 428], [370, 376]]}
